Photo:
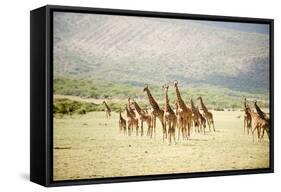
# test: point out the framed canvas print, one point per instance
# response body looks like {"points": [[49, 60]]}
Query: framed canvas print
{"points": [[122, 95]]}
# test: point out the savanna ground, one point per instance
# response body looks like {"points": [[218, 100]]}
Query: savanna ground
{"points": [[90, 146]]}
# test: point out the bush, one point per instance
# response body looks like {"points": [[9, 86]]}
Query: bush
{"points": [[67, 106]]}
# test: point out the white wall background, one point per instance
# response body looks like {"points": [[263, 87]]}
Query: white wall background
{"points": [[14, 97]]}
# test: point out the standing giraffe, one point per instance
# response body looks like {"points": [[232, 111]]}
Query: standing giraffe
{"points": [[107, 110], [134, 116], [170, 117], [130, 120], [184, 114], [143, 116], [155, 111], [202, 121], [122, 123], [195, 116], [208, 115], [247, 118]]}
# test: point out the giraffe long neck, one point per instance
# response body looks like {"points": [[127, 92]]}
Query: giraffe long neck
{"points": [[200, 115], [152, 101], [166, 100], [203, 106], [138, 109], [245, 104], [259, 111], [167, 105], [179, 99], [128, 114], [192, 106]]}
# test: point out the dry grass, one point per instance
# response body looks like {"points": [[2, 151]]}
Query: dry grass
{"points": [[92, 147]]}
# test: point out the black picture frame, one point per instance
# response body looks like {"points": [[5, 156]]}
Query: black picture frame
{"points": [[41, 94]]}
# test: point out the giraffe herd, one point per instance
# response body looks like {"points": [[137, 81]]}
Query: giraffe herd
{"points": [[182, 118]]}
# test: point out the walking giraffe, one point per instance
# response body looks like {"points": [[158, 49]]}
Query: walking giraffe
{"points": [[170, 117], [184, 114], [155, 111], [107, 110], [208, 115]]}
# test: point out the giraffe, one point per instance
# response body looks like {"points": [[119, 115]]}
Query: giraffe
{"points": [[107, 110], [208, 115], [259, 124], [136, 124], [130, 120], [170, 117], [143, 116], [122, 123], [156, 112], [263, 116], [202, 120], [195, 116], [247, 118], [184, 114]]}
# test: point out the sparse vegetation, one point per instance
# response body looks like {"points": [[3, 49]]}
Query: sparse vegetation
{"points": [[215, 97]]}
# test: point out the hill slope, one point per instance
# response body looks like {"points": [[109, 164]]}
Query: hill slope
{"points": [[136, 50]]}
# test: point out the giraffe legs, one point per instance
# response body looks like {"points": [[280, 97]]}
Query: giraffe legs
{"points": [[164, 127], [154, 126], [125, 129], [179, 125], [174, 129], [141, 127], [129, 128], [208, 121], [170, 132], [137, 127]]}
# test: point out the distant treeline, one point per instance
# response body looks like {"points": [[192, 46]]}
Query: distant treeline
{"points": [[68, 106], [214, 97]]}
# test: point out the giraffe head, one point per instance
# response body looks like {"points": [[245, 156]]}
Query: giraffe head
{"points": [[198, 98], [103, 102], [165, 87], [145, 87], [133, 103], [175, 83]]}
